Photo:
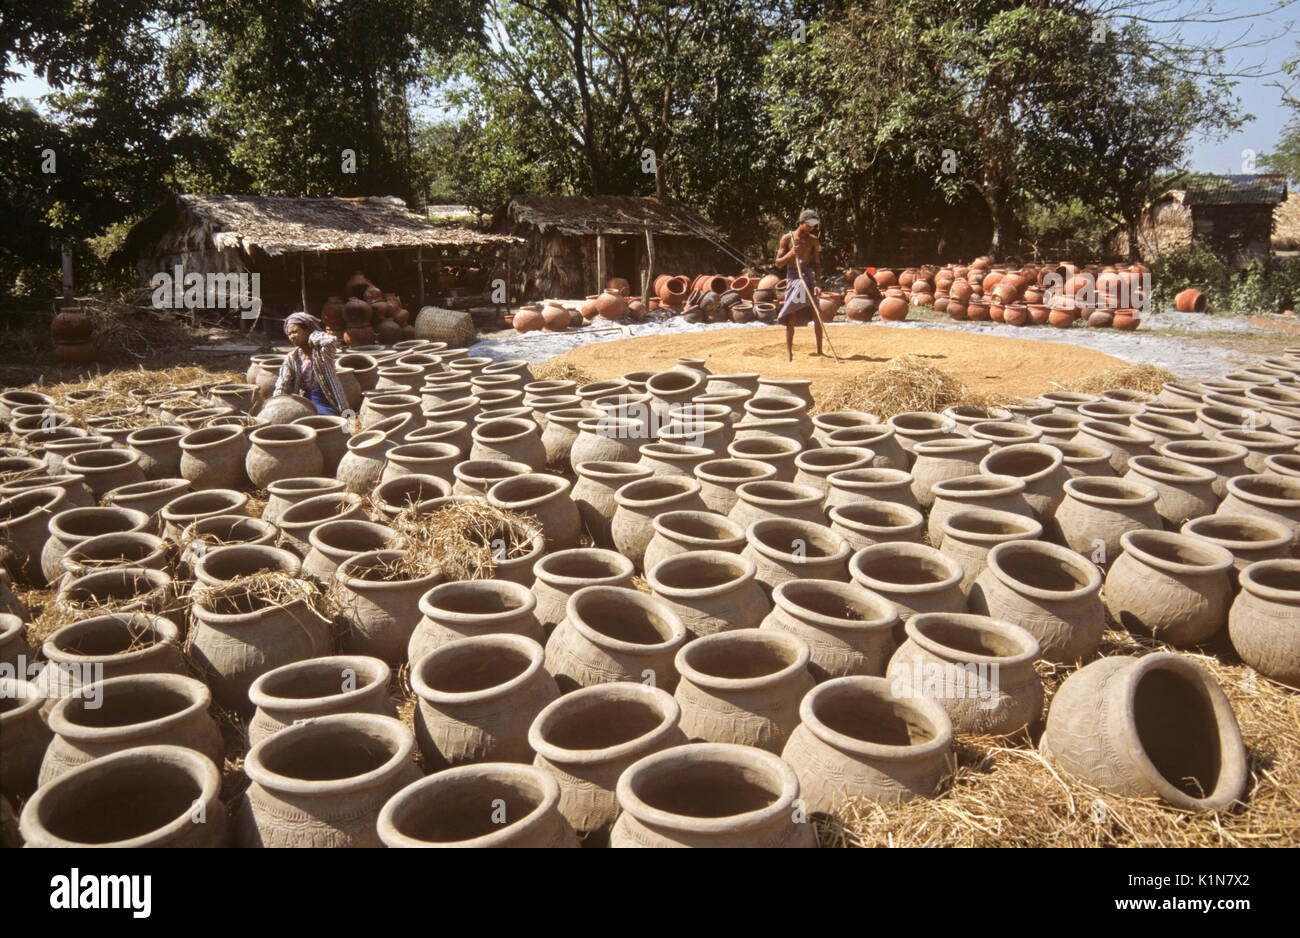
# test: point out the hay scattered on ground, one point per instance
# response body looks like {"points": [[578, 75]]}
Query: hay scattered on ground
{"points": [[1005, 795], [465, 540], [1149, 378], [116, 387], [557, 370], [169, 600], [906, 383]]}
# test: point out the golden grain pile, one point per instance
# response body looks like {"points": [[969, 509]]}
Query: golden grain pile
{"points": [[557, 370], [1149, 378], [905, 384]]}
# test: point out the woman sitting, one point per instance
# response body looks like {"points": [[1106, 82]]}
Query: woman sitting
{"points": [[308, 369]]}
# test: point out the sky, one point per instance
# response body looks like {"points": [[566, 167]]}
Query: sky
{"points": [[1262, 46]]}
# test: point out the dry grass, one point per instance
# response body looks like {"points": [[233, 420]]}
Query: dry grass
{"points": [[464, 540], [557, 370], [1149, 378], [905, 384], [1005, 795], [170, 600], [116, 387]]}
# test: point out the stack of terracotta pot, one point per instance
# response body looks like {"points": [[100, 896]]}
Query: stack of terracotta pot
{"points": [[367, 314], [832, 600], [73, 331]]}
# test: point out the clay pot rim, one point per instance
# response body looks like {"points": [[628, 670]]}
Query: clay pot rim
{"points": [[285, 561], [366, 441], [1022, 637], [15, 688], [774, 770], [1258, 440], [1166, 425], [850, 417], [1152, 467], [1136, 499], [656, 699], [123, 459], [1229, 452], [428, 609], [798, 495], [558, 489], [375, 671], [318, 485], [452, 409], [1051, 450], [662, 524], [158, 553], [63, 480], [174, 514], [197, 766], [514, 773], [787, 448], [1281, 537], [493, 644], [1099, 410], [506, 366], [1053, 422], [655, 607], [784, 596], [392, 509], [345, 502], [1033, 529], [127, 574], [623, 573], [343, 573], [764, 471], [672, 452], [695, 384], [992, 485], [212, 438], [687, 488], [775, 407], [440, 427], [1159, 408], [1045, 549], [332, 525], [1133, 543], [919, 551], [298, 435], [854, 457], [1233, 771], [913, 523], [994, 431], [1249, 579], [59, 522], [950, 447], [1278, 464], [1117, 434], [937, 718], [1236, 482], [424, 451], [382, 728], [155, 435], [601, 470], [593, 420], [744, 569], [199, 698], [1229, 416], [75, 444], [955, 412], [552, 401], [812, 532], [461, 471], [935, 424], [880, 477], [550, 386], [788, 642], [1182, 389], [1068, 398], [165, 632]]}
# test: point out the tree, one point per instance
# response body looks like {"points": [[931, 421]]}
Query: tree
{"points": [[1286, 158]]}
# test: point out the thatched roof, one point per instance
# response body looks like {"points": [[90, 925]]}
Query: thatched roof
{"points": [[612, 214], [1241, 189], [287, 225]]}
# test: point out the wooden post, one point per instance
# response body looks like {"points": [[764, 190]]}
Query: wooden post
{"points": [[601, 267], [648, 278], [419, 266], [68, 291], [302, 274]]}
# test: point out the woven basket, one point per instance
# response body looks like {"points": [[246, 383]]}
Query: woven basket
{"points": [[445, 325]]}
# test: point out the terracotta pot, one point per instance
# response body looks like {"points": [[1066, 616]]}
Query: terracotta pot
{"points": [[239, 636], [1226, 460], [776, 451], [710, 591], [864, 523], [561, 574], [1259, 444], [1171, 586], [332, 542], [473, 608], [639, 503], [323, 783], [545, 498], [914, 577], [1001, 493], [126, 549], [613, 634], [1264, 496], [105, 469], [916, 427], [856, 739], [298, 519], [849, 630], [128, 712], [1262, 621], [814, 466], [286, 493], [1191, 301], [879, 484], [594, 494], [529, 319], [783, 549], [213, 458], [318, 687], [1249, 539], [141, 797], [69, 528], [710, 795], [980, 669], [678, 532], [282, 452], [1157, 726]]}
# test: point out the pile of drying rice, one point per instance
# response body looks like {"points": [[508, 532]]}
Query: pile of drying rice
{"points": [[906, 383]]}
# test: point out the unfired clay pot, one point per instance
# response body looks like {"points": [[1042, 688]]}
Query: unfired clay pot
{"points": [[563, 573], [1097, 511], [1263, 622], [880, 484], [941, 460], [782, 550], [469, 608], [710, 590], [1183, 491], [1264, 496], [639, 503], [1039, 465], [862, 524], [1049, 590], [760, 501], [546, 498], [614, 634], [1156, 726], [849, 630], [379, 603], [26, 737], [318, 687], [282, 452], [593, 493], [213, 458], [915, 577], [679, 532], [980, 490], [856, 739], [969, 535], [1247, 538], [1171, 586]]}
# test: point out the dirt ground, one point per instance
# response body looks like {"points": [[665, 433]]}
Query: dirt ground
{"points": [[984, 363]]}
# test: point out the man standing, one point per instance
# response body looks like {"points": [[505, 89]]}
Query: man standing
{"points": [[800, 291]]}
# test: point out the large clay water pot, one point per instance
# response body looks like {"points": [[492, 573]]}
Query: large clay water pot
{"points": [[69, 528], [849, 630], [304, 690], [778, 452], [563, 573], [547, 499], [614, 634], [105, 469], [478, 697], [213, 458], [1157, 726], [159, 449], [710, 795], [915, 577], [280, 452], [1264, 496], [1262, 622], [639, 503], [470, 608], [594, 494], [1225, 460], [857, 739], [142, 797], [380, 603], [323, 783], [1097, 511], [980, 490], [710, 591], [1171, 586], [1249, 539], [680, 532]]}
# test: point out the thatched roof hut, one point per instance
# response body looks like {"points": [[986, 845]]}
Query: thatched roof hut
{"points": [[1231, 215], [304, 249], [573, 245], [1286, 223]]}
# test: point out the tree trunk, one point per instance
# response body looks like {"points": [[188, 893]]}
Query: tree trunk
{"points": [[371, 174], [584, 93], [1131, 221]]}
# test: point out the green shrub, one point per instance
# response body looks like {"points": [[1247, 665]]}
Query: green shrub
{"points": [[1192, 267]]}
